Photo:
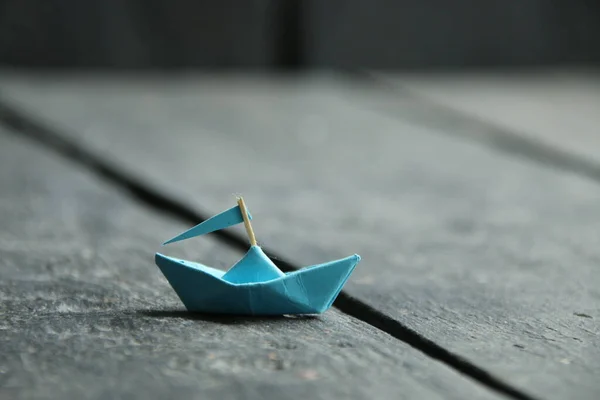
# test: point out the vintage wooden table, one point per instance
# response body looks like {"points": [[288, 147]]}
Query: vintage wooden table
{"points": [[474, 202]]}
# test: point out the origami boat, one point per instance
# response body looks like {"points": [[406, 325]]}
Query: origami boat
{"points": [[254, 285]]}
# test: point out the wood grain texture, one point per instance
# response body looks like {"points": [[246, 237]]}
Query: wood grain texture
{"points": [[85, 314], [492, 257]]}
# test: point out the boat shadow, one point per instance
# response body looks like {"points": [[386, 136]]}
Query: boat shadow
{"points": [[225, 319]]}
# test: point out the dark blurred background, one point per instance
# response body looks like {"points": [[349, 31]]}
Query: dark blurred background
{"points": [[297, 34]]}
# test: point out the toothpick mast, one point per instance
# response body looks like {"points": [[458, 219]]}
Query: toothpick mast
{"points": [[247, 224]]}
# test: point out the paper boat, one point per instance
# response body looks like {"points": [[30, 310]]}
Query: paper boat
{"points": [[254, 285]]}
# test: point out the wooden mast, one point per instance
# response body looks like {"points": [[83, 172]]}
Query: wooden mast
{"points": [[247, 224]]}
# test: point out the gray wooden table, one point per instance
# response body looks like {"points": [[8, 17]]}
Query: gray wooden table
{"points": [[479, 276]]}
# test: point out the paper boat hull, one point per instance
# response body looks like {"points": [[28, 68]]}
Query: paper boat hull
{"points": [[310, 290]]}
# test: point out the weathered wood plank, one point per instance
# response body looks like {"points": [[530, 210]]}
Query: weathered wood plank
{"points": [[85, 314], [492, 257], [556, 108]]}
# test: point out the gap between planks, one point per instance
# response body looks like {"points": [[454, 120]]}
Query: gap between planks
{"points": [[25, 125]]}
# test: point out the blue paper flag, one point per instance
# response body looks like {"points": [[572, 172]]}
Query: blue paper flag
{"points": [[228, 218]]}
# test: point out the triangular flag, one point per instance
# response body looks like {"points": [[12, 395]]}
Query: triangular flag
{"points": [[228, 218]]}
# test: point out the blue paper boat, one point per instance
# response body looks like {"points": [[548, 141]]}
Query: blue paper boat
{"points": [[254, 285]]}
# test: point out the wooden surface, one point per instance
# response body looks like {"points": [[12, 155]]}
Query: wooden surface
{"points": [[490, 256], [86, 314], [556, 108]]}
